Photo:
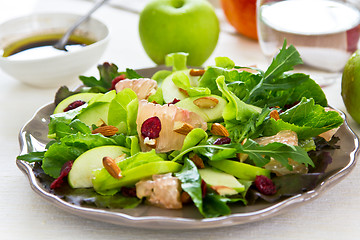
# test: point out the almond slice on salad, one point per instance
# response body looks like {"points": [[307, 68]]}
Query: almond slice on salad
{"points": [[242, 156], [275, 115], [106, 131], [220, 130], [112, 168], [199, 163], [150, 142], [206, 102], [196, 72], [182, 127]]}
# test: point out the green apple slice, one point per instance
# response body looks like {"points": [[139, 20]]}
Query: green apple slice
{"points": [[80, 175], [95, 115], [133, 175], [240, 170], [226, 184], [67, 101], [208, 114]]}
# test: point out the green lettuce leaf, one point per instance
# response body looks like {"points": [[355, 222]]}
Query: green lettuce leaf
{"points": [[235, 109], [177, 61], [306, 119], [123, 112], [71, 147], [182, 81]]}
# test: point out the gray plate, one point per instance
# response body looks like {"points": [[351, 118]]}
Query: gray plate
{"points": [[33, 137]]}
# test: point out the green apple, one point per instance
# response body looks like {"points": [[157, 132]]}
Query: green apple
{"points": [[226, 184], [350, 86], [240, 170], [95, 115], [135, 174], [80, 175], [168, 26], [208, 114], [67, 101]]}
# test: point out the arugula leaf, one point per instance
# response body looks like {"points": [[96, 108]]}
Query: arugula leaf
{"points": [[279, 151], [253, 128], [286, 90], [284, 61], [306, 119]]}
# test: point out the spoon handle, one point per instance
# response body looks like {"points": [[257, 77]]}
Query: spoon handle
{"points": [[62, 42]]}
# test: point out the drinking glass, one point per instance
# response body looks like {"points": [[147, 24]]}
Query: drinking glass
{"points": [[325, 32]]}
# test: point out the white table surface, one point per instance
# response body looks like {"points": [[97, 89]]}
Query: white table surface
{"points": [[25, 215]]}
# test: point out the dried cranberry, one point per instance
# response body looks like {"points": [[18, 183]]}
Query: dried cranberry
{"points": [[74, 105], [151, 127], [265, 185], [116, 80], [203, 188], [223, 140], [174, 101], [63, 173], [128, 191]]}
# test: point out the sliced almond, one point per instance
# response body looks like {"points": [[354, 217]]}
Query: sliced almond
{"points": [[199, 163], [107, 131], [197, 72], [182, 127], [275, 115], [112, 168], [219, 130], [100, 123], [184, 91], [150, 142], [185, 197], [242, 156], [206, 102], [120, 158]]}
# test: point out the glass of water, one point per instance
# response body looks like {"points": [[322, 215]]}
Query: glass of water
{"points": [[325, 32]]}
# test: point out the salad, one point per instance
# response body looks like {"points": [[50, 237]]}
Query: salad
{"points": [[210, 137]]}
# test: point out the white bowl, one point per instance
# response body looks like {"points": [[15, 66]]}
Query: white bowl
{"points": [[52, 71]]}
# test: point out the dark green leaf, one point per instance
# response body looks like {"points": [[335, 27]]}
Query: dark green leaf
{"points": [[306, 119], [191, 183], [214, 205], [32, 157]]}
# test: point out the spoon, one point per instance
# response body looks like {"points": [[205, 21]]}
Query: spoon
{"points": [[60, 45]]}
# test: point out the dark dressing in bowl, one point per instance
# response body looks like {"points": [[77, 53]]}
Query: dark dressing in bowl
{"points": [[41, 46]]}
